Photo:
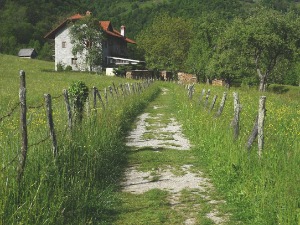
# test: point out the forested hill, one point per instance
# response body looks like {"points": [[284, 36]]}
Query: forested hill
{"points": [[25, 22]]}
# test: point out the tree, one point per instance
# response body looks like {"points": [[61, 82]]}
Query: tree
{"points": [[206, 33], [166, 42], [86, 37], [263, 42]]}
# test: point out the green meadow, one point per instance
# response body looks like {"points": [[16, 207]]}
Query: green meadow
{"points": [[78, 186], [81, 184], [260, 191]]}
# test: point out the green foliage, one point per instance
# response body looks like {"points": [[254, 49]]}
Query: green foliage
{"points": [[166, 42], [87, 37], [78, 93], [264, 43], [207, 29], [60, 67], [120, 70]]}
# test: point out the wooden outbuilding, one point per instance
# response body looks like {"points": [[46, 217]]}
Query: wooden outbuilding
{"points": [[29, 53]]}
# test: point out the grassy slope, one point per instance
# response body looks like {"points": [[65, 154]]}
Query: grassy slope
{"points": [[40, 79], [78, 186]]}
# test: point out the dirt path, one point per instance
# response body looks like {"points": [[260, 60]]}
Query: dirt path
{"points": [[162, 160]]}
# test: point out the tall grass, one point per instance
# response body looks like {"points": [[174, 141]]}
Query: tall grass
{"points": [[79, 185], [265, 191]]}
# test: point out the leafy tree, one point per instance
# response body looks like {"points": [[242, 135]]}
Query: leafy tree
{"points": [[86, 37], [265, 42], [166, 42], [206, 33]]}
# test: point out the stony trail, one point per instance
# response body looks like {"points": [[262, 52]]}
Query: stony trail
{"points": [[191, 195]]}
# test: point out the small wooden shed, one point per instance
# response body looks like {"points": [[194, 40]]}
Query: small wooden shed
{"points": [[29, 53]]}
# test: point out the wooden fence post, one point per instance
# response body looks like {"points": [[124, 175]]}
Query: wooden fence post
{"points": [[111, 91], [260, 124], [23, 125], [114, 86], [206, 98], [201, 96], [105, 96], [222, 104], [213, 103], [128, 86], [99, 96], [236, 117], [51, 123], [190, 91], [253, 134], [95, 98], [122, 90], [68, 108], [87, 106]]}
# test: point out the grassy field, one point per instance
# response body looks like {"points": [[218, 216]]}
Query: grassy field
{"points": [[78, 186], [265, 191]]}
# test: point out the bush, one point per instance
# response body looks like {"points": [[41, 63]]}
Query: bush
{"points": [[78, 93], [68, 68]]}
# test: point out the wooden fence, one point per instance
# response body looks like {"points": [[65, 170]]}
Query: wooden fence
{"points": [[122, 91], [258, 127]]}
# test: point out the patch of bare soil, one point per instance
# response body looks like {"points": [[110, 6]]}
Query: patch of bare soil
{"points": [[168, 135]]}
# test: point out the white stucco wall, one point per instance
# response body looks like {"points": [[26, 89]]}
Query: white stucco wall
{"points": [[64, 55]]}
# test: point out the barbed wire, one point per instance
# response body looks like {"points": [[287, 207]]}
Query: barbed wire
{"points": [[36, 107], [9, 163], [10, 112], [56, 97], [39, 142]]}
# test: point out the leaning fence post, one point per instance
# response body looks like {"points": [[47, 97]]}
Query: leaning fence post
{"points": [[68, 107], [213, 103], [236, 118], [253, 134], [99, 96], [114, 86], [222, 104], [51, 123], [23, 125], [260, 124]]}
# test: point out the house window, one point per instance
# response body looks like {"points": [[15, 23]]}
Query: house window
{"points": [[63, 44], [74, 61]]}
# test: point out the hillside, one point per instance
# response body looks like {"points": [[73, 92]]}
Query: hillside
{"points": [[24, 23]]}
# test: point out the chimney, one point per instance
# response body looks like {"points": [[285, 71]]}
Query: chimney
{"points": [[123, 28]]}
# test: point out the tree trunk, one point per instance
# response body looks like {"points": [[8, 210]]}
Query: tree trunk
{"points": [[262, 80]]}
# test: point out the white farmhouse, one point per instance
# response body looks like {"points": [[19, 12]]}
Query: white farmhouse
{"points": [[114, 46]]}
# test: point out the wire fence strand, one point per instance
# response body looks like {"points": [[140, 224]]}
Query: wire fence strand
{"points": [[10, 112]]}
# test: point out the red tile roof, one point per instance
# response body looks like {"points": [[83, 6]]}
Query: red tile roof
{"points": [[106, 26]]}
